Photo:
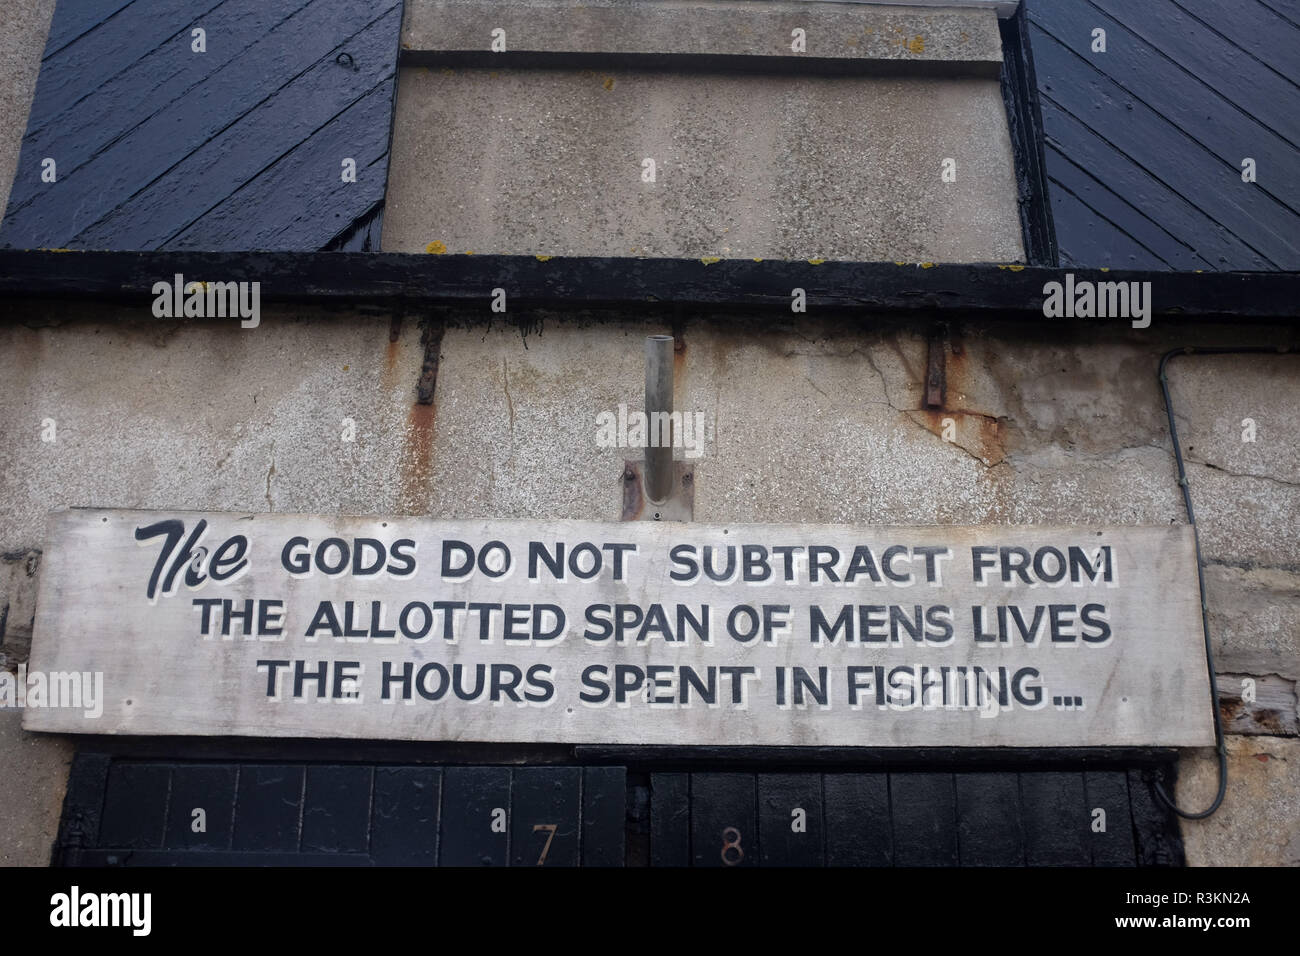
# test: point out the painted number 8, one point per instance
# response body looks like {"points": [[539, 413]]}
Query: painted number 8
{"points": [[731, 841]]}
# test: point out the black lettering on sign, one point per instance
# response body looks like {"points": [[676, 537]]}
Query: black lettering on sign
{"points": [[228, 562]]}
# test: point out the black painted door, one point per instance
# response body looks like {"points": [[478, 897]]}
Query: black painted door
{"points": [[128, 812]]}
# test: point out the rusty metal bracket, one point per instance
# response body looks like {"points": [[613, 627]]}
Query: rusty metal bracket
{"points": [[936, 378], [431, 339], [680, 504]]}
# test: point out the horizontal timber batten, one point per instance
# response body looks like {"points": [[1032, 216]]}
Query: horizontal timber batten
{"points": [[700, 63], [996, 292], [344, 750]]}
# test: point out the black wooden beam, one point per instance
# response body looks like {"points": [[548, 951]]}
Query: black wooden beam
{"points": [[283, 749], [694, 63], [1025, 124], [988, 290], [863, 758]]}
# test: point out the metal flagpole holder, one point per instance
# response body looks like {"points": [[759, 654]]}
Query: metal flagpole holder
{"points": [[658, 488]]}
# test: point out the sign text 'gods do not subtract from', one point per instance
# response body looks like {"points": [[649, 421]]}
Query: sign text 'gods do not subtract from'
{"points": [[637, 633]]}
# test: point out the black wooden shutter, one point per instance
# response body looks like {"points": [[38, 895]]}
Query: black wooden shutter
{"points": [[240, 147]]}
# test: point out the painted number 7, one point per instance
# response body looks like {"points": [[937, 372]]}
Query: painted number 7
{"points": [[550, 835]]}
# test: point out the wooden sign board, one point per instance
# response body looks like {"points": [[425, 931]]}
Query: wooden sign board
{"points": [[632, 633]]}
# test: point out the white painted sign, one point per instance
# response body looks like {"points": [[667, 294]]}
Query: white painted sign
{"points": [[635, 633]]}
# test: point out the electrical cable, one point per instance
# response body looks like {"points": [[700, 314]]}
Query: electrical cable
{"points": [[1220, 744]]}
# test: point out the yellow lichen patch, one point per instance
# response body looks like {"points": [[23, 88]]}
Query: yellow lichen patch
{"points": [[345, 368], [815, 262], [1105, 268], [543, 258], [1016, 268], [899, 263], [709, 260], [609, 83], [469, 252], [927, 265], [916, 44], [757, 259], [436, 248]]}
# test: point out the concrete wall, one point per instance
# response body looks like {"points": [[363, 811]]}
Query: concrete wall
{"points": [[33, 770], [811, 422], [23, 25], [549, 162], [777, 158]]}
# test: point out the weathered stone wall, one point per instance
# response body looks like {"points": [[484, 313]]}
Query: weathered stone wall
{"points": [[33, 770], [836, 152], [549, 162], [813, 421], [808, 422]]}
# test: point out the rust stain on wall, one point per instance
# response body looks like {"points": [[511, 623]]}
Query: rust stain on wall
{"points": [[388, 377], [1238, 717], [982, 435], [416, 470]]}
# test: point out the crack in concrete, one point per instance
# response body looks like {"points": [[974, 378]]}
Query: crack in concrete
{"points": [[269, 475], [913, 412], [1076, 456], [1241, 474], [884, 382], [1254, 566], [815, 388]]}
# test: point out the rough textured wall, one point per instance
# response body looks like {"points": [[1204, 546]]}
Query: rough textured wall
{"points": [[809, 422], [836, 150], [814, 423], [550, 162], [23, 25], [33, 770]]}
